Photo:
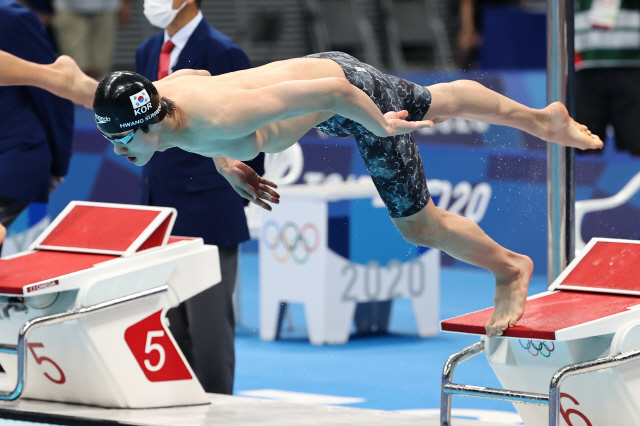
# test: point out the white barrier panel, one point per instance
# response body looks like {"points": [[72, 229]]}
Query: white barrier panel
{"points": [[297, 265]]}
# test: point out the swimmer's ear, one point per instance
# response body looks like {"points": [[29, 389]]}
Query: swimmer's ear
{"points": [[181, 73]]}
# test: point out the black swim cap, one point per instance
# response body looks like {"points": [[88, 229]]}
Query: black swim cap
{"points": [[125, 100]]}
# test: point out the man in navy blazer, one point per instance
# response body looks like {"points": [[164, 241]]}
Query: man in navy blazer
{"points": [[204, 326], [36, 126]]}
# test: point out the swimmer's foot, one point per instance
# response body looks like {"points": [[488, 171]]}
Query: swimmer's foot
{"points": [[510, 297], [560, 128], [74, 84]]}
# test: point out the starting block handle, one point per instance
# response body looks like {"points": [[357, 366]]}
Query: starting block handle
{"points": [[552, 399], [498, 394], [580, 368], [447, 377], [21, 348], [449, 389]]}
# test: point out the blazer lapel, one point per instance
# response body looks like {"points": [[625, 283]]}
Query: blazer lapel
{"points": [[190, 55], [154, 56]]}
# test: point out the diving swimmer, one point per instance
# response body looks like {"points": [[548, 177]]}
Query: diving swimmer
{"points": [[235, 116]]}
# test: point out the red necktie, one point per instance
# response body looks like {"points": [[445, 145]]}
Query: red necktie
{"points": [[165, 59]]}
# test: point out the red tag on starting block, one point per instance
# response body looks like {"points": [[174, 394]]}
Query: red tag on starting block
{"points": [[154, 350]]}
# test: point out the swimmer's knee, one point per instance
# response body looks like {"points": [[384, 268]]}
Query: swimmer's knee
{"points": [[445, 101], [420, 229], [419, 235]]}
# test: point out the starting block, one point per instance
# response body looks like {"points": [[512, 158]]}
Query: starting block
{"points": [[84, 309], [588, 322]]}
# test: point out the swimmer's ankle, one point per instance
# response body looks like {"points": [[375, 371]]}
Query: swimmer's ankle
{"points": [[514, 268], [541, 124]]}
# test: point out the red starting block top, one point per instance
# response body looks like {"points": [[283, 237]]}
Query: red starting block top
{"points": [[84, 235], [604, 291], [547, 315], [24, 274], [102, 228], [605, 265], [48, 270]]}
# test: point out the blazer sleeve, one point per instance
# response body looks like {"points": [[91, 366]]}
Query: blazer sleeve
{"points": [[27, 39]]}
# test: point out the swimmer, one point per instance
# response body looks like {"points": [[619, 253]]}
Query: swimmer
{"points": [[3, 233], [62, 78], [235, 116]]}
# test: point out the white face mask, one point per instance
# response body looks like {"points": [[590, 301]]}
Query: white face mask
{"points": [[159, 13]]}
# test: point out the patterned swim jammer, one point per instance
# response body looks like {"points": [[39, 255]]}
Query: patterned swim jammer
{"points": [[393, 162]]}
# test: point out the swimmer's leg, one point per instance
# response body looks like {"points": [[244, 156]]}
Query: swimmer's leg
{"points": [[463, 239], [65, 79], [471, 100]]}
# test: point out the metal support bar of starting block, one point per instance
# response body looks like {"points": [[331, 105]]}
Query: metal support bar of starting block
{"points": [[552, 399], [449, 389], [21, 348], [583, 367]]}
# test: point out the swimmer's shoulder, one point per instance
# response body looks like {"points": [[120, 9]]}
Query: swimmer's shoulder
{"points": [[187, 72]]}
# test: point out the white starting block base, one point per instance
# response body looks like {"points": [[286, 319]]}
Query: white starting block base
{"points": [[223, 410], [590, 314], [82, 312]]}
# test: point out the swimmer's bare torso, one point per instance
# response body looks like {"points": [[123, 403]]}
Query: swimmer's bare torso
{"points": [[264, 109], [210, 122]]}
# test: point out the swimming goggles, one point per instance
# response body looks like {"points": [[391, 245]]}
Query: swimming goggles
{"points": [[124, 140]]}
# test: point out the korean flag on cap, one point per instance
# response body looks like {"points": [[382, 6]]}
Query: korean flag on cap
{"points": [[139, 99]]}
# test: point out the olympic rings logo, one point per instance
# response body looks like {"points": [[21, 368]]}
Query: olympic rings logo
{"points": [[290, 241], [542, 348]]}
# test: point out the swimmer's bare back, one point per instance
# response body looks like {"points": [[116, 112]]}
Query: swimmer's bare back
{"points": [[198, 96], [267, 108], [191, 90]]}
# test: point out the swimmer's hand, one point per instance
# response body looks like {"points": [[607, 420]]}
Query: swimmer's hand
{"points": [[397, 124], [246, 182]]}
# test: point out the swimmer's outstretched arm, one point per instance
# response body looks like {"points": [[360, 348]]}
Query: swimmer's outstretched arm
{"points": [[246, 182], [62, 78], [245, 112]]}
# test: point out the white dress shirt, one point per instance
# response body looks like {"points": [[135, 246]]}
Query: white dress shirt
{"points": [[181, 38]]}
